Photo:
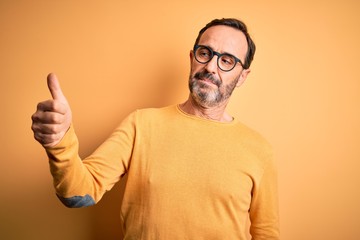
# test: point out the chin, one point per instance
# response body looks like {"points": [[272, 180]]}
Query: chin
{"points": [[205, 99]]}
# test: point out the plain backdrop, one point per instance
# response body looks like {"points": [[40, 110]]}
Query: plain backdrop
{"points": [[115, 56]]}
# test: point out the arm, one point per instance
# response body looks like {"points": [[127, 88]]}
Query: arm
{"points": [[264, 213], [78, 182]]}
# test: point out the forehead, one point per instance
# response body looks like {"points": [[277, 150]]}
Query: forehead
{"points": [[225, 39]]}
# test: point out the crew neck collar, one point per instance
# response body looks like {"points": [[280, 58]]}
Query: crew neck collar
{"points": [[185, 114]]}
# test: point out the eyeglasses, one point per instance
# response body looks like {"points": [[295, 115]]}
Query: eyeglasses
{"points": [[226, 62]]}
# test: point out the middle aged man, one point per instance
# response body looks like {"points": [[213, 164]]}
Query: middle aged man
{"points": [[194, 172]]}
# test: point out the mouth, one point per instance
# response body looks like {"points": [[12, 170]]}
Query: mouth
{"points": [[207, 78], [207, 81]]}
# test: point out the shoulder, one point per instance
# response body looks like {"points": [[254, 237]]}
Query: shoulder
{"points": [[253, 141], [250, 134]]}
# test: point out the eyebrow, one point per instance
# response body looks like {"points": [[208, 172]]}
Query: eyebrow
{"points": [[220, 52], [238, 59]]}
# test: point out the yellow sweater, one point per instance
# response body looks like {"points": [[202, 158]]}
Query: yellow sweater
{"points": [[188, 178]]}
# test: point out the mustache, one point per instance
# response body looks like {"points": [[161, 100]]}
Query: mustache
{"points": [[209, 76]]}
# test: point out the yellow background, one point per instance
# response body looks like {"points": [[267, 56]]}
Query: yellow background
{"points": [[112, 57]]}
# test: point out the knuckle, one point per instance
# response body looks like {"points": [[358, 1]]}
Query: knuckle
{"points": [[37, 129], [39, 106], [33, 117], [39, 137], [33, 128]]}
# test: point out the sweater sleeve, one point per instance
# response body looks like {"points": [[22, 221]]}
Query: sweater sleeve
{"points": [[264, 213], [81, 183]]}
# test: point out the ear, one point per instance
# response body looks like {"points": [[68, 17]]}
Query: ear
{"points": [[243, 75], [191, 55]]}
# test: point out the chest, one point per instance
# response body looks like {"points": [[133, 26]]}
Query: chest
{"points": [[192, 164]]}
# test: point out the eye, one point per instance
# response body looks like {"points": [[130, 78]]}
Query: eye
{"points": [[203, 53], [227, 60]]}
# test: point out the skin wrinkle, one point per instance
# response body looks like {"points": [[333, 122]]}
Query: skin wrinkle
{"points": [[202, 92], [206, 98], [153, 203]]}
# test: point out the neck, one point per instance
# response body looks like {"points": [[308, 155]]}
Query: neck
{"points": [[216, 113]]}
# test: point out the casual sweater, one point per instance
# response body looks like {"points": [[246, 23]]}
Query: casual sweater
{"points": [[188, 177]]}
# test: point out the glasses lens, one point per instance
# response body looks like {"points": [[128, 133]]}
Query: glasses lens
{"points": [[226, 62], [203, 54]]}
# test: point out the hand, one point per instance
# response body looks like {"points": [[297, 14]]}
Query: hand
{"points": [[53, 117]]}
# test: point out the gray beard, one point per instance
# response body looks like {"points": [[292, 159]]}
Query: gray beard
{"points": [[207, 96], [204, 95]]}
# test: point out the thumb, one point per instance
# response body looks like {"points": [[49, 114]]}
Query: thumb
{"points": [[54, 87]]}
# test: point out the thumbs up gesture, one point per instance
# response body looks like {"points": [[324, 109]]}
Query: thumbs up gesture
{"points": [[53, 117]]}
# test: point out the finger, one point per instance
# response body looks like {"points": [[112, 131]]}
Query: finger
{"points": [[52, 106], [48, 117], [55, 89], [46, 128], [47, 140]]}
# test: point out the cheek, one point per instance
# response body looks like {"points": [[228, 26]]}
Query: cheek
{"points": [[195, 67], [230, 79]]}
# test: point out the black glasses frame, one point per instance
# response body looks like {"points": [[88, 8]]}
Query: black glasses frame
{"points": [[219, 55]]}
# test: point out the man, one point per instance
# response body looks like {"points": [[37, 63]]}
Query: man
{"points": [[194, 172]]}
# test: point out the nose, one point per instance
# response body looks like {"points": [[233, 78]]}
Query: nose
{"points": [[211, 66]]}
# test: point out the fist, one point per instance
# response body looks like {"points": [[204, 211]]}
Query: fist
{"points": [[53, 117]]}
